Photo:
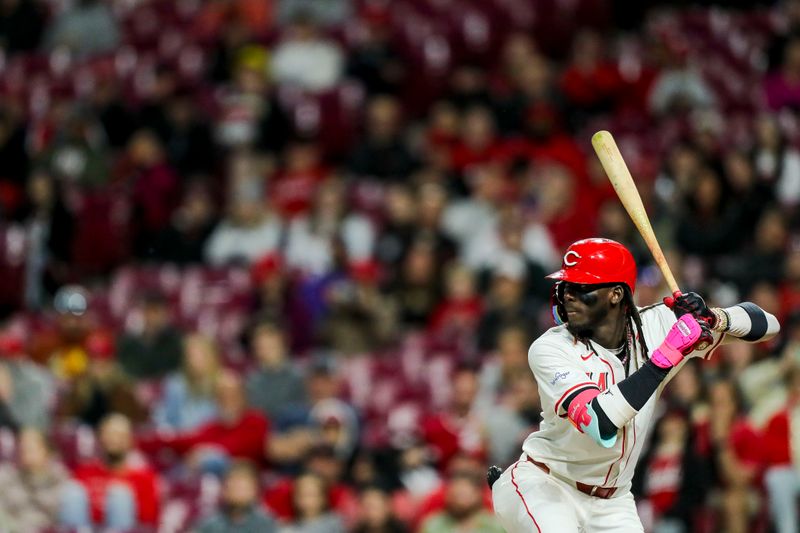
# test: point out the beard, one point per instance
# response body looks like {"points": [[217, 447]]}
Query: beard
{"points": [[461, 513], [115, 458]]}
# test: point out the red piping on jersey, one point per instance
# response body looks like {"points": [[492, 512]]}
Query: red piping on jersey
{"points": [[588, 355], [613, 377], [558, 403], [621, 455], [513, 470]]}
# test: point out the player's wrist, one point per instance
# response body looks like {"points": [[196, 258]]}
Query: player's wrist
{"points": [[722, 320]]}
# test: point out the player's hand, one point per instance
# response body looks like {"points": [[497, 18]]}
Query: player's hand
{"points": [[691, 303], [681, 339]]}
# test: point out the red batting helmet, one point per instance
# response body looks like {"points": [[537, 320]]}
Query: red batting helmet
{"points": [[593, 261]]}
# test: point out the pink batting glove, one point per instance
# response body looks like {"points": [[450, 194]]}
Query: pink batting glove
{"points": [[679, 341]]}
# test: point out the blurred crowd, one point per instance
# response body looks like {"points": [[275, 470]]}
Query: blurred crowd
{"points": [[275, 265]]}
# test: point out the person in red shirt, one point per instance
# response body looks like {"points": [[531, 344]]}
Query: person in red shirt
{"points": [[458, 429], [781, 478], [118, 489], [238, 432]]}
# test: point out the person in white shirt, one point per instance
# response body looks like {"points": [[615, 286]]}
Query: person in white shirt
{"points": [[305, 59]]}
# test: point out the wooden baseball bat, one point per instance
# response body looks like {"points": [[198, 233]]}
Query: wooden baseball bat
{"points": [[620, 177]]}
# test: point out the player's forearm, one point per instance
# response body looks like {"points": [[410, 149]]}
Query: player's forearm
{"points": [[747, 321]]}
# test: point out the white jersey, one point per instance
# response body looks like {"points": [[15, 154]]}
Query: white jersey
{"points": [[561, 365]]}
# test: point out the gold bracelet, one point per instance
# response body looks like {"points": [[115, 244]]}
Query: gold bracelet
{"points": [[723, 319]]}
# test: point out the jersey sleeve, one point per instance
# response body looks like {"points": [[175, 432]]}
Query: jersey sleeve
{"points": [[557, 373]]}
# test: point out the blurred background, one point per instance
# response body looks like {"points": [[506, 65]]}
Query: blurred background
{"points": [[277, 263]]}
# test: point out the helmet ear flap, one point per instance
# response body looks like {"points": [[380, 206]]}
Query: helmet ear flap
{"points": [[559, 314]]}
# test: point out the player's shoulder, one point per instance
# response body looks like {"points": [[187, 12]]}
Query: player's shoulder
{"points": [[553, 341]]}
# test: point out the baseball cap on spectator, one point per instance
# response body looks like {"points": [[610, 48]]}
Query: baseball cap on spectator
{"points": [[11, 344], [365, 271], [100, 345], [265, 268], [322, 365], [71, 299]]}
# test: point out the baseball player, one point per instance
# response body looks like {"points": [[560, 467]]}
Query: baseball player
{"points": [[600, 373]]}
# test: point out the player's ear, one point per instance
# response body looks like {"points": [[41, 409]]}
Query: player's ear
{"points": [[617, 294]]}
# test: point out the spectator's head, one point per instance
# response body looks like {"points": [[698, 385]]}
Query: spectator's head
{"points": [[101, 349], [765, 295], [725, 399], [145, 149], [329, 201], [508, 281], [519, 49], [323, 381], [739, 172], [556, 191], [465, 389], [399, 204], [115, 436], [302, 154], [230, 396], [477, 128], [196, 210], [268, 343], [707, 195], [613, 222], [431, 199], [772, 232], [419, 265], [459, 282], [463, 497], [535, 79], [468, 84], [383, 118], [155, 313], [34, 451], [201, 364], [240, 487], [42, 193], [310, 496], [375, 508], [587, 49], [246, 205], [302, 27], [673, 426], [250, 69], [323, 461], [768, 133], [512, 347], [338, 427]]}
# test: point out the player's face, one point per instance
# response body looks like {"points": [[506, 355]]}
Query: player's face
{"points": [[585, 305]]}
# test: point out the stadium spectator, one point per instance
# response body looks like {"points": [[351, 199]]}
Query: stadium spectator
{"points": [[463, 508], [103, 388], [304, 58], [238, 509], [373, 59], [26, 389], [249, 230], [458, 428], [591, 83], [777, 163], [382, 155], [311, 505], [154, 348], [678, 87], [86, 28], [33, 486], [674, 480], [50, 227], [183, 240], [780, 477], [275, 386], [187, 401], [118, 489], [65, 351], [14, 162], [376, 513], [237, 432], [310, 240]]}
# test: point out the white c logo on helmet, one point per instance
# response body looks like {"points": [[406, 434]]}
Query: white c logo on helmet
{"points": [[569, 263]]}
